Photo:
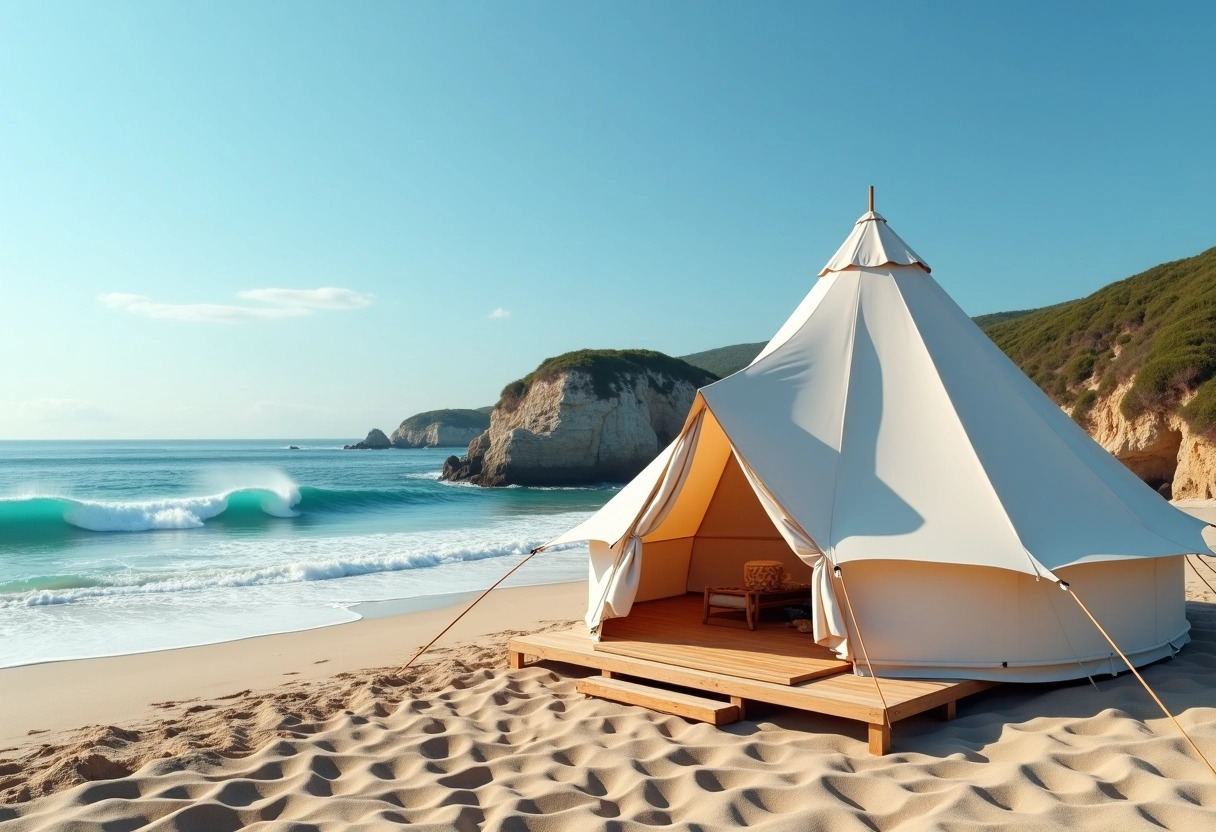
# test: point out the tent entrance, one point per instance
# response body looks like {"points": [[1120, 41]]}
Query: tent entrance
{"points": [[716, 527], [669, 631]]}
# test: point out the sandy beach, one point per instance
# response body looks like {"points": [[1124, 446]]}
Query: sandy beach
{"points": [[317, 730]]}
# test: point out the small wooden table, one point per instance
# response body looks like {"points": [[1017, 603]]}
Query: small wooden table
{"points": [[749, 601]]}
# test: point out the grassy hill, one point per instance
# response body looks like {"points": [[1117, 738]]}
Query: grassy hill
{"points": [[725, 360], [985, 321], [456, 418], [1157, 328], [606, 368]]}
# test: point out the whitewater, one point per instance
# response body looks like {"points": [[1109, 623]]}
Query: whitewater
{"points": [[120, 547]]}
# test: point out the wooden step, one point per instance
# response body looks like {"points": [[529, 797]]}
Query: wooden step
{"points": [[685, 705]]}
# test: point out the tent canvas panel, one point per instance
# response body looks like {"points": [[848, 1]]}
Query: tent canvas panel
{"points": [[909, 484], [1069, 500], [664, 568], [923, 620]]}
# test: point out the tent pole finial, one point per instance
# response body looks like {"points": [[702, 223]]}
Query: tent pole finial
{"points": [[871, 199]]}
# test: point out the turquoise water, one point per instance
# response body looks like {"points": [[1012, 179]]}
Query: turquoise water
{"points": [[118, 547]]}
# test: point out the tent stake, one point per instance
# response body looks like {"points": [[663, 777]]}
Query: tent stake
{"points": [[862, 642], [1064, 586], [452, 624]]}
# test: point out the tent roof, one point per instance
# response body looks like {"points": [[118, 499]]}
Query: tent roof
{"points": [[871, 244]]}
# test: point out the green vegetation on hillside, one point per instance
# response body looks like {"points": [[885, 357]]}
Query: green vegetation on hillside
{"points": [[606, 368], [724, 361], [456, 418], [1157, 327], [985, 321]]}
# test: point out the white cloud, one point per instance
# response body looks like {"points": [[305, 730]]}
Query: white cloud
{"points": [[63, 410], [327, 297], [500, 313], [215, 313], [280, 303]]}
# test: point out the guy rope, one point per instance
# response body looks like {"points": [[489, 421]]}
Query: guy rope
{"points": [[1064, 586], [467, 609]]}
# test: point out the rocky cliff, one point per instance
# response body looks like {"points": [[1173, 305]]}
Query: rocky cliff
{"points": [[440, 429], [585, 417], [1158, 446]]}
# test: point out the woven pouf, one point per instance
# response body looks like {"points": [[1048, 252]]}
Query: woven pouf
{"points": [[763, 575]]}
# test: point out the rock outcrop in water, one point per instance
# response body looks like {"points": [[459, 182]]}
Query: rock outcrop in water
{"points": [[375, 441], [440, 429], [583, 417]]}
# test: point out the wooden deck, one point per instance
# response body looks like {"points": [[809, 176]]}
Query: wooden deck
{"points": [[722, 671], [670, 631]]}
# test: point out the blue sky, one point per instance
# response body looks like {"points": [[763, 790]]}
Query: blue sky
{"points": [[307, 219]]}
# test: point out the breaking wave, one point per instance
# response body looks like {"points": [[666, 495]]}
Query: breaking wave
{"points": [[31, 517]]}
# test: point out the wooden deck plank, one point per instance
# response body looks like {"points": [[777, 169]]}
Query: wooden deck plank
{"points": [[684, 705], [577, 649], [842, 695], [670, 631]]}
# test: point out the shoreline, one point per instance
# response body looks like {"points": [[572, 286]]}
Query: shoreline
{"points": [[54, 697], [362, 610]]}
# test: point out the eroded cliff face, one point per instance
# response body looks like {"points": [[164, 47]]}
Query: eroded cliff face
{"points": [[1160, 448], [562, 433], [434, 435]]}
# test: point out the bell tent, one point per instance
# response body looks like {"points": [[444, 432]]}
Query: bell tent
{"points": [[882, 446]]}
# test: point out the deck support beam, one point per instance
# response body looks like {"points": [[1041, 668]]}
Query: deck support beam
{"points": [[515, 659], [880, 738], [740, 703]]}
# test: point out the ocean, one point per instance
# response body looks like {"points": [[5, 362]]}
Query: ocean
{"points": [[120, 547]]}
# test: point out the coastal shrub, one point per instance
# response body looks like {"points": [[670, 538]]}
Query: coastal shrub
{"points": [[1084, 404], [1201, 410], [1108, 384], [1080, 368], [605, 370]]}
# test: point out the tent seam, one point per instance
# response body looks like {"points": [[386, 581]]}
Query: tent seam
{"points": [[844, 413]]}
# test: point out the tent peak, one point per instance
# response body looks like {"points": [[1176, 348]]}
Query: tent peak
{"points": [[871, 244]]}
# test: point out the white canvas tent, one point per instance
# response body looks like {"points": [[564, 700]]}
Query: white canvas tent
{"points": [[881, 438]]}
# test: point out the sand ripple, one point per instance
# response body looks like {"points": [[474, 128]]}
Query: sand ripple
{"points": [[465, 744]]}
